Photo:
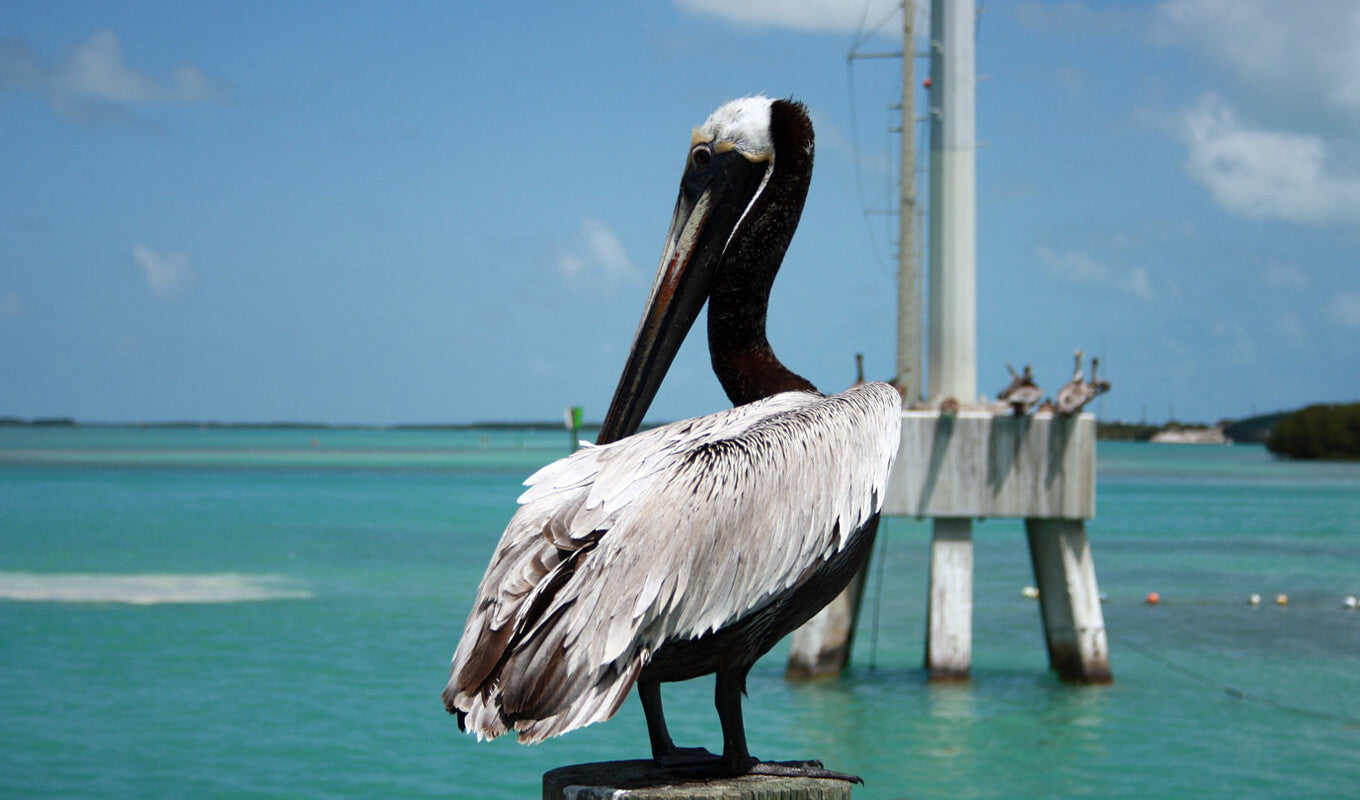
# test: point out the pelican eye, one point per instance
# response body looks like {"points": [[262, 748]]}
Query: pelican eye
{"points": [[701, 154]]}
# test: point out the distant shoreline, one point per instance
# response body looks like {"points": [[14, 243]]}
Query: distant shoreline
{"points": [[67, 422], [1105, 431]]}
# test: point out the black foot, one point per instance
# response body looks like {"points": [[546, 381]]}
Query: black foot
{"points": [[800, 769], [686, 757], [736, 767]]}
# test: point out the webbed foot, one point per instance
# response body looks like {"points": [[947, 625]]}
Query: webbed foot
{"points": [[683, 757], [729, 767], [799, 769]]}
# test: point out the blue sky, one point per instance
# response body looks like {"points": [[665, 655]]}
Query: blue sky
{"points": [[451, 212]]}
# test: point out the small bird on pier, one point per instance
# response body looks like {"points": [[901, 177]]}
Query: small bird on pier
{"points": [[1022, 393], [692, 548], [1076, 393], [1070, 395], [1098, 386]]}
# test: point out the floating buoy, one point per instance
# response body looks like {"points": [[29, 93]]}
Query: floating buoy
{"points": [[1153, 598], [1352, 601], [1281, 599], [1254, 599], [1030, 591]]}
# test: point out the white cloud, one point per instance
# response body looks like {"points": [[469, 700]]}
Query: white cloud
{"points": [[596, 251], [1137, 283], [1263, 174], [94, 79], [166, 274], [1074, 266], [840, 16], [1300, 58], [11, 305], [1343, 310]]}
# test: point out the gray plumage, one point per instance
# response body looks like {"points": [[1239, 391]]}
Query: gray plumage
{"points": [[1021, 393], [664, 537], [1076, 393]]}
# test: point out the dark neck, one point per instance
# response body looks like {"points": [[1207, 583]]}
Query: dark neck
{"points": [[742, 359]]}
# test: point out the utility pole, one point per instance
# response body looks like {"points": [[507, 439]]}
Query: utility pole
{"points": [[909, 347]]}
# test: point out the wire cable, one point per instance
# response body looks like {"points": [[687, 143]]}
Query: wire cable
{"points": [[1231, 691]]}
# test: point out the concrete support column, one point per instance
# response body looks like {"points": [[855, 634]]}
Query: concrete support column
{"points": [[821, 647], [949, 632], [1069, 599]]}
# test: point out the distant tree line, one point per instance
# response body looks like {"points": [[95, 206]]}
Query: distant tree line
{"points": [[1140, 431], [1320, 431], [1125, 431]]}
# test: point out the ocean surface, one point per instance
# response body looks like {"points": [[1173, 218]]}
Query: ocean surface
{"points": [[270, 613]]}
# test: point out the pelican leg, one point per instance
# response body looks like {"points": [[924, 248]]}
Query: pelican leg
{"points": [[727, 692], [736, 757], [664, 751]]}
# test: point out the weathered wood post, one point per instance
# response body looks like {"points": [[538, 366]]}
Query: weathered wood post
{"points": [[641, 780]]}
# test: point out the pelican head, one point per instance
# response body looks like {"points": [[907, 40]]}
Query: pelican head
{"points": [[730, 163]]}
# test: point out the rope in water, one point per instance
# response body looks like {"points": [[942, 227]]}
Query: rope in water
{"points": [[1232, 691]]}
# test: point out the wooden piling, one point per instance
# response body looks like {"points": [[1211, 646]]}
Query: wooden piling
{"points": [[643, 780]]}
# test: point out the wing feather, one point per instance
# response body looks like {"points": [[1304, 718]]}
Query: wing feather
{"points": [[666, 535]]}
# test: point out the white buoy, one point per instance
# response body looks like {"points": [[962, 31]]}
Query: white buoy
{"points": [[1352, 601], [1254, 599], [1033, 591]]}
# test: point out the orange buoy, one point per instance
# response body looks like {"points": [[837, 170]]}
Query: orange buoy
{"points": [[1153, 598]]}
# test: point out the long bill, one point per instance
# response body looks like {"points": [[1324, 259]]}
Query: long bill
{"points": [[713, 198]]}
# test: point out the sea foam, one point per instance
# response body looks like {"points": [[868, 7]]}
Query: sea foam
{"points": [[145, 589]]}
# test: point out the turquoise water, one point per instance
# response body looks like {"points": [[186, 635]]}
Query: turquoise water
{"points": [[270, 613]]}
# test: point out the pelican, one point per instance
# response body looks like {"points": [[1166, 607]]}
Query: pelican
{"points": [[1022, 392], [1076, 393], [1069, 399], [1098, 387], [692, 548]]}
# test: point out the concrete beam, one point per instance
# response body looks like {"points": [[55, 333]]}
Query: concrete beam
{"points": [[979, 464]]}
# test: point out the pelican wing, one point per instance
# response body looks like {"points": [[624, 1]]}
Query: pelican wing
{"points": [[663, 536]]}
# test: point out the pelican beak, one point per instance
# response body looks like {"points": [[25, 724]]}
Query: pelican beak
{"points": [[718, 187]]}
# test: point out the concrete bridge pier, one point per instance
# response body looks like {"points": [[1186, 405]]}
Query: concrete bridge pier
{"points": [[1069, 600], [949, 604]]}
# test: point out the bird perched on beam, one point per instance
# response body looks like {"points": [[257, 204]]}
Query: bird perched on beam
{"points": [[1021, 393], [1076, 393]]}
